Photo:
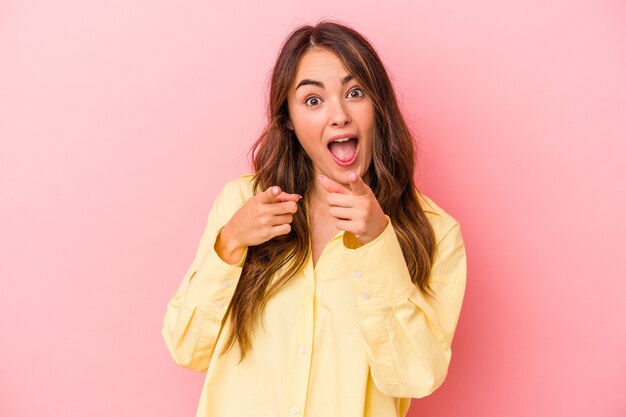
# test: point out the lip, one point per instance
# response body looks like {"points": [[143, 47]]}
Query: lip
{"points": [[342, 136]]}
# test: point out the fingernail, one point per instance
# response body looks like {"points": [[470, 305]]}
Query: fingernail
{"points": [[299, 196], [275, 190]]}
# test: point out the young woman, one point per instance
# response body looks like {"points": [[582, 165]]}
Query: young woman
{"points": [[325, 284]]}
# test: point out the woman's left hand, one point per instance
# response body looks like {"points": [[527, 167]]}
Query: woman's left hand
{"points": [[357, 211]]}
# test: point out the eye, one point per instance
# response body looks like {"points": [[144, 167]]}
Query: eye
{"points": [[312, 101], [356, 93]]}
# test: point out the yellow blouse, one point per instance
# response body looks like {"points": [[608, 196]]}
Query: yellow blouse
{"points": [[350, 337]]}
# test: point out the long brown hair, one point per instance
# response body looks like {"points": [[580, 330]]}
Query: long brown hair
{"points": [[278, 159]]}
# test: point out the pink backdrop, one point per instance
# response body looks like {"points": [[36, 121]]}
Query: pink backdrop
{"points": [[120, 121]]}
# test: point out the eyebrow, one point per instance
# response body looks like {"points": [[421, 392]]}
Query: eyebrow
{"points": [[321, 84]]}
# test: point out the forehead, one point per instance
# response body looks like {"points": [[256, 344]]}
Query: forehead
{"points": [[319, 65]]}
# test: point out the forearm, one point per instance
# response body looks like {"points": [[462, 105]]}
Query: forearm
{"points": [[407, 335]]}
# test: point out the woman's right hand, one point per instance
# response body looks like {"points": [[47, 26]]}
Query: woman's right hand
{"points": [[262, 217]]}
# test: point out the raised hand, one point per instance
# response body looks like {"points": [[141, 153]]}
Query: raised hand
{"points": [[262, 217], [357, 211]]}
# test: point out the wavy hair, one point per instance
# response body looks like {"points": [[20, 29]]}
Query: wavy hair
{"points": [[278, 159]]}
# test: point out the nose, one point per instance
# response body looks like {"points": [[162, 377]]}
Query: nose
{"points": [[339, 115]]}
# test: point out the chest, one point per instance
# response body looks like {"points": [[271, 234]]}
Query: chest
{"points": [[322, 229]]}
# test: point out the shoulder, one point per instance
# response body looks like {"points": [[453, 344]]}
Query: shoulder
{"points": [[233, 194], [440, 220], [450, 260], [240, 187]]}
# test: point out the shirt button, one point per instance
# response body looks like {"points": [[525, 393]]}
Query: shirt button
{"points": [[219, 304], [366, 296], [293, 410], [358, 274], [302, 349], [226, 284]]}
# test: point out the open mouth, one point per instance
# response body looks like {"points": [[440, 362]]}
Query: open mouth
{"points": [[344, 150]]}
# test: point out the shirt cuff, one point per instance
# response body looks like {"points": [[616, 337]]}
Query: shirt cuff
{"points": [[380, 276]]}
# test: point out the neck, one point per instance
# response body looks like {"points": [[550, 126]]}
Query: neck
{"points": [[317, 195]]}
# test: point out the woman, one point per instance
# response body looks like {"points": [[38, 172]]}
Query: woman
{"points": [[325, 284]]}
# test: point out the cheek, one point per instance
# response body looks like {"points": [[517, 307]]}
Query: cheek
{"points": [[368, 122], [365, 115], [311, 119], [309, 128], [371, 117]]}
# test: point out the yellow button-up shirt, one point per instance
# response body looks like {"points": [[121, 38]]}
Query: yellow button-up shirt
{"points": [[350, 337]]}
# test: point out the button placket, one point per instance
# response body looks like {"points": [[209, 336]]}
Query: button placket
{"points": [[300, 368]]}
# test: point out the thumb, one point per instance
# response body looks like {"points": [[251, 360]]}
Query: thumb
{"points": [[357, 185], [270, 194]]}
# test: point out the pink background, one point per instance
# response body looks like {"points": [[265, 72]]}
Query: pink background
{"points": [[120, 121]]}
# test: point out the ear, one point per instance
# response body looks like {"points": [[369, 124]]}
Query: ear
{"points": [[289, 124]]}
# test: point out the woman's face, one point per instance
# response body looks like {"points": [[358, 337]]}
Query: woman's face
{"points": [[325, 105]]}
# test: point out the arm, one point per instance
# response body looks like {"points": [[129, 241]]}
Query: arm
{"points": [[406, 335], [195, 313]]}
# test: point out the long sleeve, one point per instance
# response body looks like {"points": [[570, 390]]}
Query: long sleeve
{"points": [[407, 336], [195, 314]]}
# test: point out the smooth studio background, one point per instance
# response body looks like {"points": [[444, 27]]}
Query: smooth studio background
{"points": [[120, 121]]}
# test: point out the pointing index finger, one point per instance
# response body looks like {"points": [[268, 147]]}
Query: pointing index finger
{"points": [[284, 196], [331, 186], [274, 194]]}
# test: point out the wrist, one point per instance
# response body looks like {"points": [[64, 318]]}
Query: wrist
{"points": [[383, 222], [228, 247]]}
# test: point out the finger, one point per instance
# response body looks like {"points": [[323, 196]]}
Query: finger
{"points": [[332, 186], [282, 208], [281, 219], [345, 225], [270, 194], [284, 196], [282, 229], [341, 213], [340, 200], [357, 185]]}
